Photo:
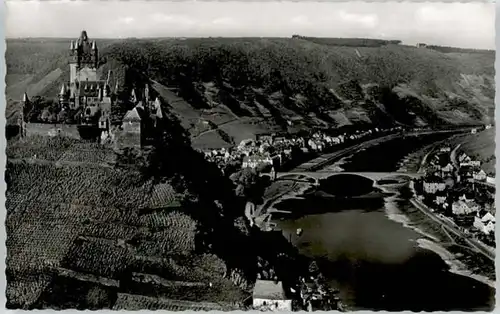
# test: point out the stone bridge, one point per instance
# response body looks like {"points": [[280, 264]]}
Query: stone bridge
{"points": [[318, 175]]}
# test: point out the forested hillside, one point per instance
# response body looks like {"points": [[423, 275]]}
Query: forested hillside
{"points": [[223, 87]]}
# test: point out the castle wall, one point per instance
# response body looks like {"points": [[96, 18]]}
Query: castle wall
{"points": [[87, 73], [47, 129], [72, 73], [127, 139], [131, 127], [129, 135]]}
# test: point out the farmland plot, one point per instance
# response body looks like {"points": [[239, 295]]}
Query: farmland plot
{"points": [[97, 256], [98, 156], [25, 290], [137, 302]]}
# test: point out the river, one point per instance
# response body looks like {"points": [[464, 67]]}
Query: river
{"points": [[371, 251]]}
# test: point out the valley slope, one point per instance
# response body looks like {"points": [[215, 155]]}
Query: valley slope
{"points": [[226, 89]]}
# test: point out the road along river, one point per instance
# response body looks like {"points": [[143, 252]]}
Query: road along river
{"points": [[380, 251]]}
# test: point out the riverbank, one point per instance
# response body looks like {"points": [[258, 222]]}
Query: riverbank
{"points": [[435, 239], [456, 266], [431, 235], [432, 242]]}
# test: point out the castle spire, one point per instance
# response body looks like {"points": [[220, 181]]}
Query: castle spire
{"points": [[99, 92], [146, 93], [159, 113], [133, 97], [63, 90], [71, 46], [25, 98], [94, 46]]}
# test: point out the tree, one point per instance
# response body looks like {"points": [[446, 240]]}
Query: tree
{"points": [[248, 185]]}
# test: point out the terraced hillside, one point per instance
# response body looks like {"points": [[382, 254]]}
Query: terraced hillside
{"points": [[225, 89], [102, 230]]}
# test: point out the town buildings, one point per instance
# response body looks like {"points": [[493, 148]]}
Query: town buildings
{"points": [[479, 176], [271, 152], [433, 184], [454, 193], [464, 207], [485, 224]]}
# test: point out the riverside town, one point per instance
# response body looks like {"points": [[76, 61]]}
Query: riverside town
{"points": [[225, 173]]}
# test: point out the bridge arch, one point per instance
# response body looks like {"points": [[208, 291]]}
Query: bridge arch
{"points": [[375, 176]]}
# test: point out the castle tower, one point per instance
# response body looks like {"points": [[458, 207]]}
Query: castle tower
{"points": [[106, 91], [84, 61], [63, 95], [63, 90], [86, 90], [146, 94], [157, 103], [133, 97]]}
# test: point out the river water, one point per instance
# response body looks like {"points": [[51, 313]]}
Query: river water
{"points": [[368, 250]]}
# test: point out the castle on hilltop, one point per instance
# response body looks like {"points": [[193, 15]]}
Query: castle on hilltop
{"points": [[84, 90], [89, 101]]}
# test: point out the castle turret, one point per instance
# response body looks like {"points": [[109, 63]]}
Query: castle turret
{"points": [[133, 97], [72, 91], [146, 93], [94, 46], [25, 98], [63, 90], [159, 113], [157, 103], [106, 89], [63, 95], [100, 91]]}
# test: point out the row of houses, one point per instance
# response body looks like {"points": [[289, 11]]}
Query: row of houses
{"points": [[269, 152], [440, 185]]}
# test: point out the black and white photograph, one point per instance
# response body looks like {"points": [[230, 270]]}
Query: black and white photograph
{"points": [[269, 156]]}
